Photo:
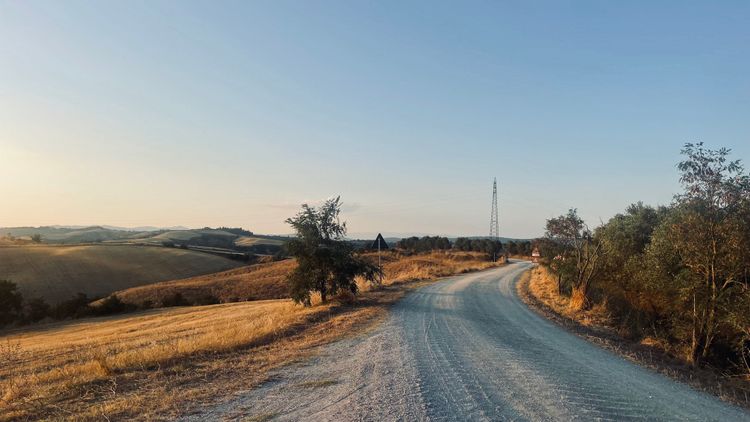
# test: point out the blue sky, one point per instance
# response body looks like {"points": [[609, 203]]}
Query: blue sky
{"points": [[233, 113]]}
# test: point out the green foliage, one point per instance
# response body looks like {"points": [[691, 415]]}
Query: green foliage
{"points": [[36, 310], [578, 261], [112, 305], [239, 231], [326, 262], [424, 244], [709, 232], [36, 238], [682, 273], [493, 248], [175, 299], [76, 307], [10, 302], [207, 300], [635, 293]]}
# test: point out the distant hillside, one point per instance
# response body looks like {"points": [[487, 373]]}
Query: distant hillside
{"points": [[57, 273], [230, 239], [71, 235]]}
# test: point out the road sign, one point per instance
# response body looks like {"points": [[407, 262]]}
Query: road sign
{"points": [[379, 243]]}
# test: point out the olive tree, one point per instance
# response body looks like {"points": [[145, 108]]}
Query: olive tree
{"points": [[326, 261]]}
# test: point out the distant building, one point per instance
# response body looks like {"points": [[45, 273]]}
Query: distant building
{"points": [[379, 243]]}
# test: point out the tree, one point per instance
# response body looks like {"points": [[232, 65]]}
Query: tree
{"points": [[626, 275], [326, 262], [579, 246], [36, 238], [10, 302], [709, 233], [36, 309]]}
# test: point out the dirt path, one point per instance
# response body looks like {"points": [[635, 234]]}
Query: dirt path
{"points": [[467, 348]]}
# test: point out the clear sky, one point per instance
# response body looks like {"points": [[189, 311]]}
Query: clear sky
{"points": [[233, 113]]}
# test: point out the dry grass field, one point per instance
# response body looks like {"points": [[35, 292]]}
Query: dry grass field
{"points": [[399, 268], [154, 365], [255, 240], [254, 282], [56, 273], [266, 281]]}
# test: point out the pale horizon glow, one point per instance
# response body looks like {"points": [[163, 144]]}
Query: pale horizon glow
{"points": [[233, 114]]}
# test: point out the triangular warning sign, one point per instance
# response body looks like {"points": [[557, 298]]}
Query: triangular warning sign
{"points": [[379, 241]]}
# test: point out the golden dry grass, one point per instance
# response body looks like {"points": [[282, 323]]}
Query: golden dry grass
{"points": [[157, 364], [399, 268], [254, 282], [90, 368], [543, 286], [56, 273], [254, 240]]}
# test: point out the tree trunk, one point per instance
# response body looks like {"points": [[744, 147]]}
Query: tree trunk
{"points": [[698, 346], [323, 292]]}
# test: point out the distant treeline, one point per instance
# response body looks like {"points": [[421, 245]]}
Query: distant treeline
{"points": [[677, 275], [239, 231], [424, 244], [485, 245]]}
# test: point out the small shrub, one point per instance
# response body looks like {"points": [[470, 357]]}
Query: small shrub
{"points": [[36, 310], [175, 299], [76, 307], [207, 300], [113, 305], [345, 297]]}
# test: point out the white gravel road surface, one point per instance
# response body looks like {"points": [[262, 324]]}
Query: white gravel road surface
{"points": [[467, 348]]}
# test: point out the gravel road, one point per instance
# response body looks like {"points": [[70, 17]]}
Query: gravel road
{"points": [[467, 348]]}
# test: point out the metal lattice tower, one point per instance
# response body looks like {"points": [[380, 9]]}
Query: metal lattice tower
{"points": [[494, 224]]}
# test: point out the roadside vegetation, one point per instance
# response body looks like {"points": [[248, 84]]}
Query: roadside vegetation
{"points": [[676, 277]]}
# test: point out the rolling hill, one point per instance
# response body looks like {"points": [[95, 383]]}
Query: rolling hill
{"points": [[64, 235], [56, 273], [228, 239]]}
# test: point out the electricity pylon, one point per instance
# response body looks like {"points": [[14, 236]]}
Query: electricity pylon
{"points": [[494, 225]]}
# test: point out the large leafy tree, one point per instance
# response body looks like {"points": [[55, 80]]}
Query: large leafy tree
{"points": [[326, 261], [708, 231]]}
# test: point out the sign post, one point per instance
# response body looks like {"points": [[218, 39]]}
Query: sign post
{"points": [[380, 244]]}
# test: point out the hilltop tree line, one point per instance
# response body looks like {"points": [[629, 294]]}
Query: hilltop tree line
{"points": [[677, 273], [490, 247]]}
